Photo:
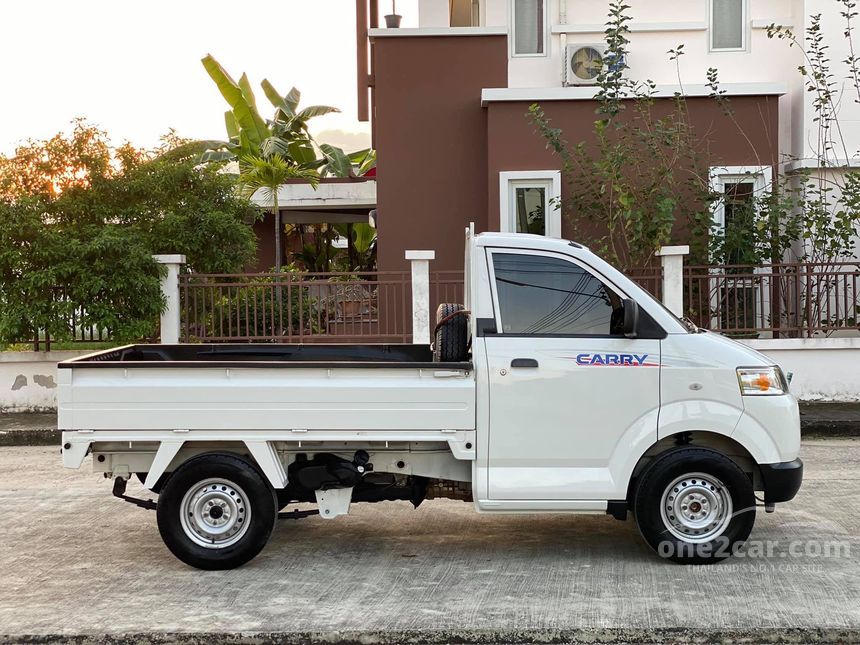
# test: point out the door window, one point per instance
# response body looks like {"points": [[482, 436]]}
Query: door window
{"points": [[539, 294]]}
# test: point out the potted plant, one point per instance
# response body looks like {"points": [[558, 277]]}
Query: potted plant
{"points": [[349, 294], [392, 20]]}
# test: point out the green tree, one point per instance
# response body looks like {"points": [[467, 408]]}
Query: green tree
{"points": [[80, 221], [267, 174]]}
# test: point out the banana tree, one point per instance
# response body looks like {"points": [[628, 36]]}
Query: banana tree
{"points": [[285, 134], [361, 245], [270, 151]]}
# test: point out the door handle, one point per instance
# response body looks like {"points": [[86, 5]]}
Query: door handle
{"points": [[524, 362]]}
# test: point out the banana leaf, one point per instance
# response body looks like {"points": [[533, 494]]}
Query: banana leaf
{"points": [[338, 164], [249, 121], [278, 101]]}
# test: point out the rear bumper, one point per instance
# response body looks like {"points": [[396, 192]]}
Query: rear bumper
{"points": [[781, 481]]}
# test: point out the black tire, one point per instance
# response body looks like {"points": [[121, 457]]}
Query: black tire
{"points": [[724, 480], [450, 344], [231, 478]]}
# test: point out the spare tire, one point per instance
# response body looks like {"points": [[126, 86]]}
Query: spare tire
{"points": [[450, 342]]}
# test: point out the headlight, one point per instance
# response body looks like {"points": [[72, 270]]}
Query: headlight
{"points": [[761, 381]]}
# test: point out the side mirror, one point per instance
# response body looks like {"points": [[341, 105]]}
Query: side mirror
{"points": [[631, 317]]}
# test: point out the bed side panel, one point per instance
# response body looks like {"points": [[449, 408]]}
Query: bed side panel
{"points": [[222, 398]]}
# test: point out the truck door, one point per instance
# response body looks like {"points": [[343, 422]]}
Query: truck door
{"points": [[569, 393]]}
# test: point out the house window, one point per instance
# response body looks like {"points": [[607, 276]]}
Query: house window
{"points": [[538, 294], [737, 300], [737, 188], [728, 25], [464, 13], [528, 27], [528, 202]]}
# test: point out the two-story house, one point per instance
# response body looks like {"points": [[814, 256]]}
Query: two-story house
{"points": [[448, 103]]}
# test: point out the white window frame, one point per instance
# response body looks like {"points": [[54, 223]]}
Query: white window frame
{"points": [[719, 176], [745, 26], [509, 181], [512, 32]]}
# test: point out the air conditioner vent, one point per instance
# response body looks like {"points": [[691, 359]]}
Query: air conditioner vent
{"points": [[582, 63]]}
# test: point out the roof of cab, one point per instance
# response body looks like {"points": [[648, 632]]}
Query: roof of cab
{"points": [[493, 238]]}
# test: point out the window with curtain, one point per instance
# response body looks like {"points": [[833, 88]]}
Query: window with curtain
{"points": [[528, 27], [727, 24], [464, 13]]}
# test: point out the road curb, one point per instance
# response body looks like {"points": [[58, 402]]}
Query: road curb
{"points": [[30, 437], [463, 637]]}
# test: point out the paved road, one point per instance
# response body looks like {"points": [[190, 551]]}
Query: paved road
{"points": [[74, 560]]}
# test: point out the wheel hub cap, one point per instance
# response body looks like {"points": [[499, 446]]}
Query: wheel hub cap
{"points": [[696, 507], [214, 513]]}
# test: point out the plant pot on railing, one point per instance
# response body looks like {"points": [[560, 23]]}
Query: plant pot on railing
{"points": [[349, 297], [392, 20]]}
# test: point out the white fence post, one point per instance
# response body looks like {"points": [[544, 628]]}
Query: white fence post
{"points": [[170, 290], [420, 261], [672, 258]]}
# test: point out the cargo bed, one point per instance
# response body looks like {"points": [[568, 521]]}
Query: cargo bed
{"points": [[265, 387]]}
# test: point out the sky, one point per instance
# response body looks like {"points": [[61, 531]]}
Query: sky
{"points": [[133, 68]]}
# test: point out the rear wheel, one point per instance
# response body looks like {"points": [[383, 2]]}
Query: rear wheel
{"points": [[216, 512], [694, 505]]}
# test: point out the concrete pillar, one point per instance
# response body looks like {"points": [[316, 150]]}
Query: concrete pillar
{"points": [[170, 320], [420, 295], [673, 277]]}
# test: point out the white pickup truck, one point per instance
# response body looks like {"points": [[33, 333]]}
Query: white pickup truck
{"points": [[559, 386]]}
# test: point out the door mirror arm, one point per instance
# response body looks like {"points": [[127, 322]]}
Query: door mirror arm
{"points": [[631, 317]]}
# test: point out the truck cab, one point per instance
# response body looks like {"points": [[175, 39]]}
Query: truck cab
{"points": [[559, 385], [586, 373]]}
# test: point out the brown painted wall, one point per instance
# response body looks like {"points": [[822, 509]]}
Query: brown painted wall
{"points": [[431, 141], [513, 143], [440, 152]]}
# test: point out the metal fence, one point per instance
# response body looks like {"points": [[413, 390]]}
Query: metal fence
{"points": [[795, 300], [445, 286], [771, 301], [297, 307], [650, 279], [71, 319]]}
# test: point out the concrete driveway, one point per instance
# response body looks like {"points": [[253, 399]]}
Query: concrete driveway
{"points": [[76, 562]]}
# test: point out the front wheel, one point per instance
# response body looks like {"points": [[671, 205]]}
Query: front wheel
{"points": [[216, 512], [694, 506]]}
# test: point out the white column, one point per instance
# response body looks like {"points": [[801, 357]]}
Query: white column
{"points": [[170, 291], [420, 295], [673, 277]]}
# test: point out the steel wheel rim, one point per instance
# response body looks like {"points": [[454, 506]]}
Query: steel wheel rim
{"points": [[696, 507], [215, 513]]}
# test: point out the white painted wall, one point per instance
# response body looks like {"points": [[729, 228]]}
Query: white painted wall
{"points": [[28, 380], [824, 369], [658, 25]]}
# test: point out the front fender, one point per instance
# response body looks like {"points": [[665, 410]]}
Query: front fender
{"points": [[721, 418]]}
